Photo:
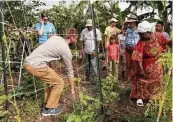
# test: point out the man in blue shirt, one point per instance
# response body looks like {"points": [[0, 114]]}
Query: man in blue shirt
{"points": [[44, 29], [132, 37]]}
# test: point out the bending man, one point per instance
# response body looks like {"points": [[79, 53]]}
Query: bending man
{"points": [[36, 64]]}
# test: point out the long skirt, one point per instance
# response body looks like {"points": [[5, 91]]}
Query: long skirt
{"points": [[149, 86]]}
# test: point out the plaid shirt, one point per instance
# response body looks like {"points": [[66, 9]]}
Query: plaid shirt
{"points": [[132, 37]]}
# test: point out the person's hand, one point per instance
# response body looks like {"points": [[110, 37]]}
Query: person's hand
{"points": [[83, 53], [106, 46], [142, 73], [73, 94], [94, 53], [42, 21]]}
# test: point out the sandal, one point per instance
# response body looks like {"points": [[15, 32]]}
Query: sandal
{"points": [[139, 102]]}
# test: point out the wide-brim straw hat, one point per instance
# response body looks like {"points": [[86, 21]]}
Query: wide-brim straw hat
{"points": [[132, 18]]}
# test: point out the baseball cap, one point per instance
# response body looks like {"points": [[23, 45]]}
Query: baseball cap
{"points": [[114, 20], [89, 22]]}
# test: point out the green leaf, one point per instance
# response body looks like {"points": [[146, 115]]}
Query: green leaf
{"points": [[3, 113]]}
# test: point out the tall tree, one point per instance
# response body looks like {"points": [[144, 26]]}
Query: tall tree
{"points": [[20, 13]]}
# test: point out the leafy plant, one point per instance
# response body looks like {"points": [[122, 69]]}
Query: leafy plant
{"points": [[85, 110], [108, 89], [164, 105], [29, 87], [3, 98]]}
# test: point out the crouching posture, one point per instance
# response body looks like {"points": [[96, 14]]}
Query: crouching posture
{"points": [[54, 48]]}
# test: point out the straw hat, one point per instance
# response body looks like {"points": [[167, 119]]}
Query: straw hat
{"points": [[132, 18]]}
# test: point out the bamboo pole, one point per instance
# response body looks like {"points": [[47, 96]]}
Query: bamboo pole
{"points": [[3, 41]]}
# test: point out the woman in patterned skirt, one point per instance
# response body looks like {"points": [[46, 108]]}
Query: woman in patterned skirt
{"points": [[148, 72]]}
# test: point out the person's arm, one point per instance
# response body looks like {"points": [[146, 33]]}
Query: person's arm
{"points": [[118, 50], [118, 31], [141, 68], [39, 29], [137, 57], [82, 48], [107, 53], [54, 30], [163, 41], [99, 38], [71, 81], [169, 43], [98, 44], [106, 42], [67, 58], [106, 38], [82, 43], [122, 27]]}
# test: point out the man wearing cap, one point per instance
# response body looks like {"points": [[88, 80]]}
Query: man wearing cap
{"points": [[44, 29], [132, 37], [110, 30], [148, 72], [36, 64], [88, 47]]}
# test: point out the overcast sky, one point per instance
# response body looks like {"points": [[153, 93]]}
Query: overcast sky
{"points": [[49, 3], [122, 5]]}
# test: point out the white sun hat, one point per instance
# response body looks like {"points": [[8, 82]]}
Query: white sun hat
{"points": [[114, 20], [89, 22], [144, 26]]}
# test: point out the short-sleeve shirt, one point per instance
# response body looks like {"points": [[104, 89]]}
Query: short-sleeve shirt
{"points": [[113, 52], [53, 49], [88, 38], [48, 28], [132, 37], [166, 35], [121, 39], [109, 31]]}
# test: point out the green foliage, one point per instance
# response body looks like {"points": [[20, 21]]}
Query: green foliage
{"points": [[163, 107], [20, 13], [108, 89], [63, 17], [3, 98], [29, 87], [85, 110]]}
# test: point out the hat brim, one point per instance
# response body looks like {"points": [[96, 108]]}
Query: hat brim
{"points": [[131, 20], [114, 21], [88, 25]]}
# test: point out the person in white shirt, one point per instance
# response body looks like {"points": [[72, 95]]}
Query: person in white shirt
{"points": [[88, 47]]}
